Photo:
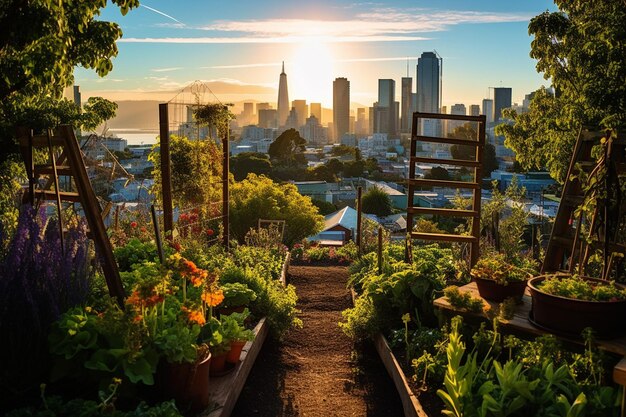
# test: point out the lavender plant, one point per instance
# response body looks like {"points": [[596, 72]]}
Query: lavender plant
{"points": [[39, 280]]}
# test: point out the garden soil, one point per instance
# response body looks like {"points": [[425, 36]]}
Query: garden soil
{"points": [[316, 371]]}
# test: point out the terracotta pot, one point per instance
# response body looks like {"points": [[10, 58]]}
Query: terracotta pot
{"points": [[493, 291], [218, 363], [187, 383], [568, 317], [236, 346]]}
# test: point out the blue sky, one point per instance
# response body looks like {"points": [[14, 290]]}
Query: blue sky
{"points": [[240, 44]]}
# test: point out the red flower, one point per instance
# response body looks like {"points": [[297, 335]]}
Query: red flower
{"points": [[133, 224], [210, 232]]}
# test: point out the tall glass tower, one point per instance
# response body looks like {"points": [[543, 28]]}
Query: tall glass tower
{"points": [[341, 107]]}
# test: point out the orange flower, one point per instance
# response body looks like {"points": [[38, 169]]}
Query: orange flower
{"points": [[138, 318], [198, 277], [213, 298], [195, 316]]}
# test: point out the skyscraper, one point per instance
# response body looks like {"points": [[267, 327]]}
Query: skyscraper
{"points": [[429, 90], [341, 107], [283, 98], [385, 109], [302, 110], [488, 109], [501, 100], [474, 110], [407, 104], [316, 110]]}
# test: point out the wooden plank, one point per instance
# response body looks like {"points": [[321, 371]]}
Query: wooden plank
{"points": [[41, 141], [445, 116], [519, 324], [63, 170], [619, 372], [65, 195], [437, 161], [285, 271], [443, 237], [419, 182], [410, 403], [443, 212], [225, 390], [448, 141]]}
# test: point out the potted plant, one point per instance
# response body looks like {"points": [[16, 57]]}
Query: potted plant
{"points": [[234, 331], [568, 303], [498, 279], [237, 297]]}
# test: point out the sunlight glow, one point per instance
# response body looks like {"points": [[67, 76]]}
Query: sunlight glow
{"points": [[311, 74]]}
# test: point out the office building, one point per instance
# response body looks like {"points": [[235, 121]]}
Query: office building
{"points": [[385, 116], [283, 98], [501, 100], [361, 124], [429, 90], [474, 110], [268, 118], [488, 109], [341, 107], [302, 110], [407, 105], [316, 110]]}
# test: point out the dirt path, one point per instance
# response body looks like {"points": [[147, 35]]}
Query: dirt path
{"points": [[315, 372]]}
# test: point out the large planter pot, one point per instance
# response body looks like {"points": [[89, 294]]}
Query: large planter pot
{"points": [[493, 291], [568, 317], [187, 383], [236, 346], [218, 364]]}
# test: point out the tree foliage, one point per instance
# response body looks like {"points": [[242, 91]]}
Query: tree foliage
{"points": [[376, 201], [582, 50], [196, 167], [216, 116], [259, 197], [321, 173], [288, 148], [250, 163]]}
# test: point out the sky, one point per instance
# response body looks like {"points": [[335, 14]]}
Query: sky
{"points": [[238, 48]]}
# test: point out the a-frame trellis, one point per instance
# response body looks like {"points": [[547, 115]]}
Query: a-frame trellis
{"points": [[478, 143]]}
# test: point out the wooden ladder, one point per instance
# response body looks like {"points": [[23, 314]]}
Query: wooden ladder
{"points": [[565, 241], [68, 163], [475, 185]]}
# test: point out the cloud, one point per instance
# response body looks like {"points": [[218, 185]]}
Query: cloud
{"points": [[165, 69], [377, 24], [278, 64]]}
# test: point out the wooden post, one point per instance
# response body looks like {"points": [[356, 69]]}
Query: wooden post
{"points": [[380, 250], [478, 176], [359, 213], [225, 186], [157, 233], [166, 171], [410, 198]]}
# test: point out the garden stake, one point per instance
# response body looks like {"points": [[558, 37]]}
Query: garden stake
{"points": [[380, 249], [157, 233]]}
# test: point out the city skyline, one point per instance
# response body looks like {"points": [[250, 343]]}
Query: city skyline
{"points": [[166, 46]]}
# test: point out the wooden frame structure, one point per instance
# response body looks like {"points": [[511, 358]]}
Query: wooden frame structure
{"points": [[475, 186], [69, 162]]}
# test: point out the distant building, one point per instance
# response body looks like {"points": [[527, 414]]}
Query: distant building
{"points": [[407, 105], [341, 107], [385, 116], [474, 110], [361, 123], [458, 110], [268, 118], [302, 110], [316, 110], [292, 120], [488, 110], [283, 98], [313, 132], [429, 90], [502, 100]]}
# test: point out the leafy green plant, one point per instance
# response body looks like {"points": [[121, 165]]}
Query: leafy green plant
{"points": [[135, 252], [237, 294], [580, 289], [233, 328], [495, 267], [463, 300]]}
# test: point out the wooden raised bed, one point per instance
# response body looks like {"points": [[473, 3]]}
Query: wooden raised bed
{"points": [[225, 390], [410, 403]]}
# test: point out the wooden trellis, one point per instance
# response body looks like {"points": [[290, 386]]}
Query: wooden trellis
{"points": [[475, 185]]}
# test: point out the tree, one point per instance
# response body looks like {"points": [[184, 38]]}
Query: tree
{"points": [[195, 166], [259, 197], [490, 162], [216, 116], [288, 148], [335, 166], [353, 169], [321, 173], [250, 163], [438, 173], [582, 50], [324, 207], [376, 201]]}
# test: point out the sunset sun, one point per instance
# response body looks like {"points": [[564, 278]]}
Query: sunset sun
{"points": [[311, 72]]}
